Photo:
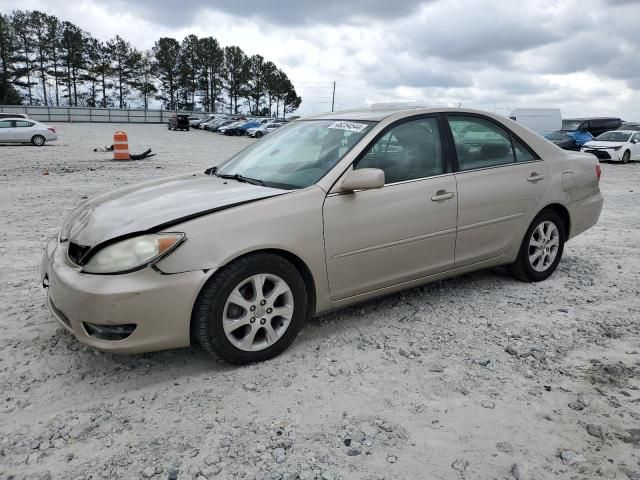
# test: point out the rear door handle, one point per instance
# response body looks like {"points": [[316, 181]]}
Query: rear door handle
{"points": [[441, 195], [535, 178]]}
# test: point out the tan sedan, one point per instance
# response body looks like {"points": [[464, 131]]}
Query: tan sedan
{"points": [[323, 213]]}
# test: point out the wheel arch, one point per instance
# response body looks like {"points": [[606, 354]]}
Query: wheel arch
{"points": [[296, 261], [564, 215]]}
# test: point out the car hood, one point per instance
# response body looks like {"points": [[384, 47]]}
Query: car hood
{"points": [[156, 204], [602, 144]]}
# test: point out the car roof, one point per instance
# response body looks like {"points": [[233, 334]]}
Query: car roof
{"points": [[622, 131], [573, 119], [379, 114]]}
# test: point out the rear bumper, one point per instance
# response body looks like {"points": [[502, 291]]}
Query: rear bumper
{"points": [[585, 213], [158, 305]]}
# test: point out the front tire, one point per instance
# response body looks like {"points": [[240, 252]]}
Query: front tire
{"points": [[626, 156], [38, 140], [258, 134], [541, 248], [251, 310]]}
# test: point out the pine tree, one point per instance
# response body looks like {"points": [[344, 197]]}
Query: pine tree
{"points": [[9, 71], [22, 30], [72, 48], [211, 61], [188, 68], [38, 25], [54, 39], [144, 80], [256, 84], [125, 61], [166, 52], [235, 67]]}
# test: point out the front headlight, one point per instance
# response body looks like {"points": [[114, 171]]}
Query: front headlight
{"points": [[133, 253], [616, 148]]}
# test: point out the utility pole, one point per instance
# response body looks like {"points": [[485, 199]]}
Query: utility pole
{"points": [[333, 98]]}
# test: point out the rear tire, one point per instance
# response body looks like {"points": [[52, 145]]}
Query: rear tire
{"points": [[626, 156], [219, 305], [38, 140], [541, 248]]}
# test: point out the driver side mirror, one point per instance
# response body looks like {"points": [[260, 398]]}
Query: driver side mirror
{"points": [[363, 179]]}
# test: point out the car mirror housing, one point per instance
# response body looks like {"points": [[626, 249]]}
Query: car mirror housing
{"points": [[363, 179]]}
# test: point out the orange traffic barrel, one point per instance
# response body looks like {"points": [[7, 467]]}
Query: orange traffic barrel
{"points": [[120, 146]]}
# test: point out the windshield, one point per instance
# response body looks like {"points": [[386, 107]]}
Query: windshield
{"points": [[571, 124], [558, 136], [614, 137], [299, 155]]}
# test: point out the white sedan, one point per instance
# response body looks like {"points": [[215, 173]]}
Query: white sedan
{"points": [[263, 130], [616, 145], [21, 130]]}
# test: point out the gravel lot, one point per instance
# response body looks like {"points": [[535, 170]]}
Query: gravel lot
{"points": [[478, 377]]}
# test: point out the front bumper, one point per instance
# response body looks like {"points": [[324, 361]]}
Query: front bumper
{"points": [[605, 153], [158, 305]]}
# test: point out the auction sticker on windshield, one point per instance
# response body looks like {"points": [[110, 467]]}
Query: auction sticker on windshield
{"points": [[350, 126]]}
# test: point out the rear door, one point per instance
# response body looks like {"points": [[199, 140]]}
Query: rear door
{"points": [[23, 130], [403, 231], [500, 181], [7, 131]]}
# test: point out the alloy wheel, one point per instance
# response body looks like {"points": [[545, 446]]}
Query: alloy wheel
{"points": [[543, 246], [258, 312], [626, 157]]}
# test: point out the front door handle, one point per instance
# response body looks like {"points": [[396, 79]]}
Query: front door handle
{"points": [[441, 195], [535, 177]]}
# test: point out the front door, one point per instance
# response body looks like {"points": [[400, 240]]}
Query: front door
{"points": [[635, 147], [500, 185], [6, 131], [403, 231]]}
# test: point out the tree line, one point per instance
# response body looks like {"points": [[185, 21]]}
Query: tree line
{"points": [[46, 61]]}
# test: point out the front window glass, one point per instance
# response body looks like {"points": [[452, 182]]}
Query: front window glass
{"points": [[299, 155], [480, 143], [613, 137], [409, 151]]}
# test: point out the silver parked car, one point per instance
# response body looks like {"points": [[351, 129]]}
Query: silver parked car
{"points": [[264, 129], [21, 130], [323, 213]]}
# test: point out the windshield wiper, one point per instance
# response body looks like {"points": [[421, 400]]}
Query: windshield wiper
{"points": [[240, 178]]}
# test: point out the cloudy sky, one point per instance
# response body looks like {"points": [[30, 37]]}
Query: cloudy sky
{"points": [[582, 56]]}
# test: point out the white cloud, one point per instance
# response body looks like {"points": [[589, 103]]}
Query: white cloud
{"points": [[482, 53]]}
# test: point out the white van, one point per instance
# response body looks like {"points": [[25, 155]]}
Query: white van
{"points": [[540, 120]]}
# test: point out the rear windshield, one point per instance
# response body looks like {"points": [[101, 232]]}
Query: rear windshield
{"points": [[571, 124], [558, 136]]}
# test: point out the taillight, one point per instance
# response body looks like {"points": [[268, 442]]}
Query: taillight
{"points": [[52, 129], [598, 171]]}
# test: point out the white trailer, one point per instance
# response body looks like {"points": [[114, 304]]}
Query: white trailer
{"points": [[540, 120]]}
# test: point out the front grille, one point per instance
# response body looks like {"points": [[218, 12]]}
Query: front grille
{"points": [[600, 154], [77, 252]]}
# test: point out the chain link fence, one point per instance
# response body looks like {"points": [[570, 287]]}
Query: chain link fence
{"points": [[97, 115]]}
